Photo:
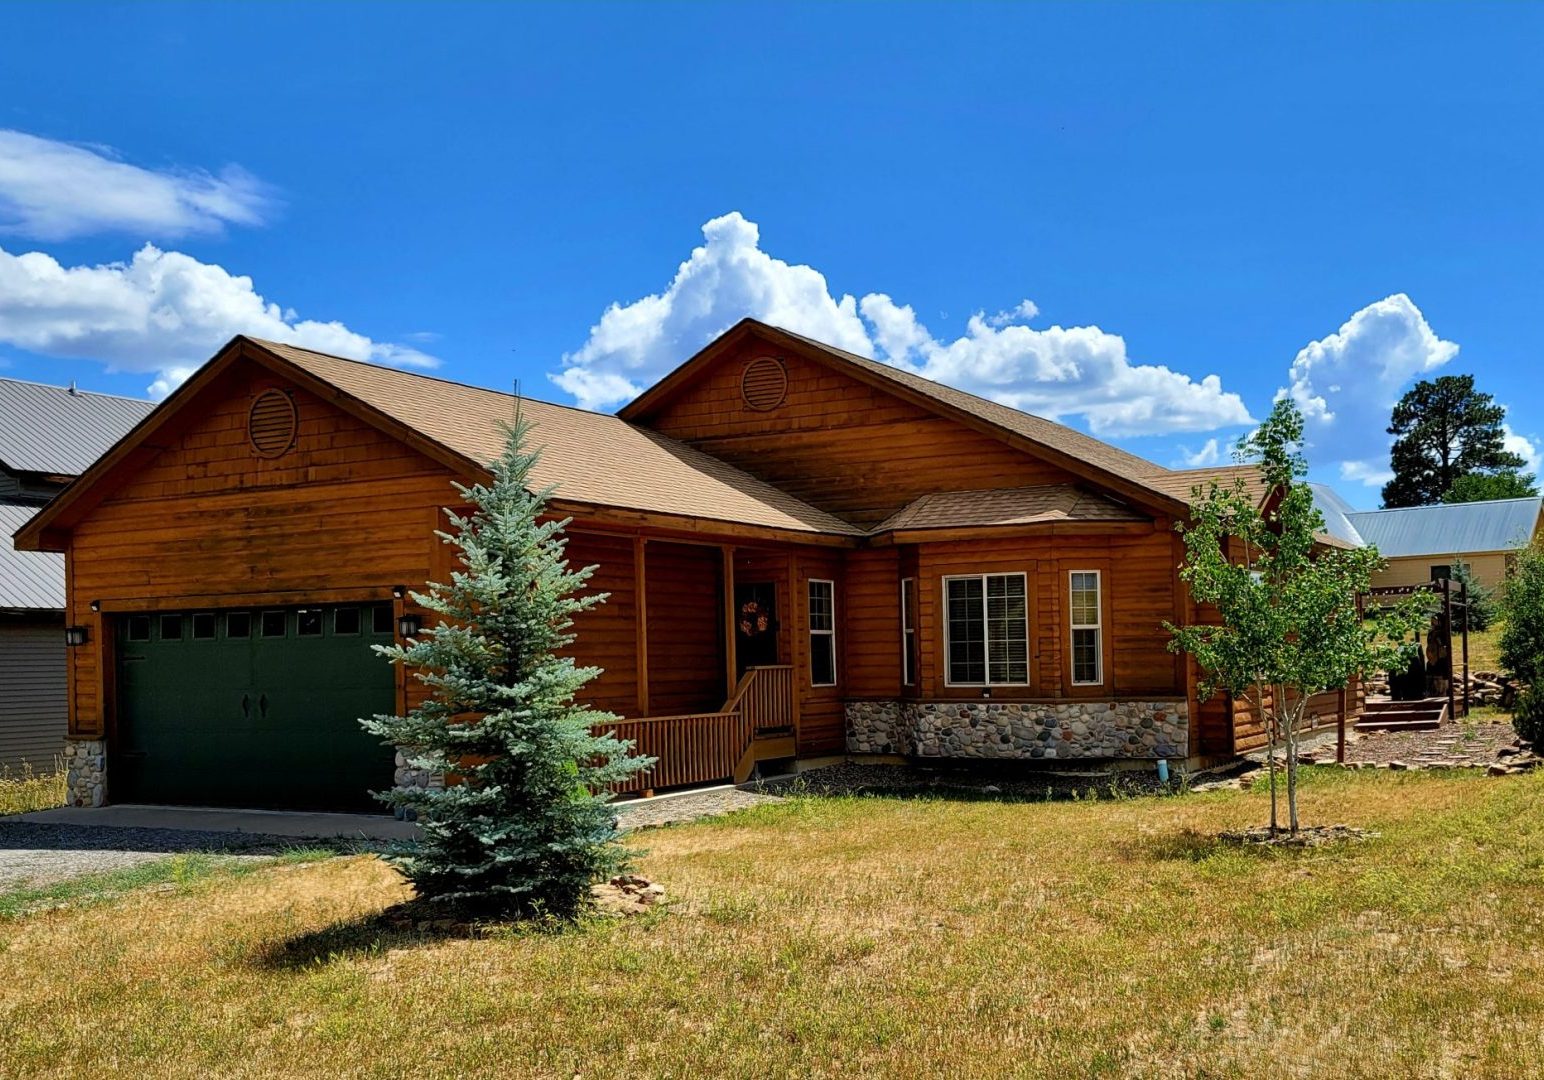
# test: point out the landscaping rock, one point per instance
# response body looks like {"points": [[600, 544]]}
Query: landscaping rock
{"points": [[1398, 766], [626, 895]]}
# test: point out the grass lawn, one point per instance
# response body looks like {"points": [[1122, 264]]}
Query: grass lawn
{"points": [[856, 936]]}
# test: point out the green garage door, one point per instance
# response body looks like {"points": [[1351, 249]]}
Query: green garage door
{"points": [[254, 708]]}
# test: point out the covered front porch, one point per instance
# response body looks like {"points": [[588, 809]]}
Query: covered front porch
{"points": [[716, 688]]}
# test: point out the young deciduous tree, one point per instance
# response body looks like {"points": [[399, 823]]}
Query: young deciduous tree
{"points": [[523, 827], [1290, 624], [1443, 429]]}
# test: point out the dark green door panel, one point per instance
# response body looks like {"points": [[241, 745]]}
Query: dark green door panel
{"points": [[262, 720]]}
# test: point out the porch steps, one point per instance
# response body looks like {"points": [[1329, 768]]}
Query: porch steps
{"points": [[1425, 715]]}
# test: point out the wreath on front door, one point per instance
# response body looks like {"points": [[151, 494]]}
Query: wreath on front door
{"points": [[754, 620]]}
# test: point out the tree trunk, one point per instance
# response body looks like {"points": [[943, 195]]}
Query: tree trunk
{"points": [[1293, 715], [1268, 718]]}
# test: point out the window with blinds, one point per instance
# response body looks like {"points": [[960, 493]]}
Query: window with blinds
{"points": [[1083, 587], [986, 630]]}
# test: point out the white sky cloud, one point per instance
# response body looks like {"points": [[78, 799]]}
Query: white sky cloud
{"points": [[1056, 372], [162, 312], [1524, 446], [1209, 454], [1347, 384], [56, 190]]}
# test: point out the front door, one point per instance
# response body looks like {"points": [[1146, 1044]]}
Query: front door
{"points": [[755, 635]]}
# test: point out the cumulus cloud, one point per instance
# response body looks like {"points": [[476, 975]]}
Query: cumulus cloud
{"points": [[1347, 383], [1056, 372], [55, 190], [1209, 454], [1526, 448], [162, 312]]}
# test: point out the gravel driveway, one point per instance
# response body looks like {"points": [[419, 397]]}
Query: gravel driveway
{"points": [[33, 854]]}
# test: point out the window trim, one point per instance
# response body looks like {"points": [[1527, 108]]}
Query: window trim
{"points": [[1073, 626], [1029, 674], [909, 654], [809, 595]]}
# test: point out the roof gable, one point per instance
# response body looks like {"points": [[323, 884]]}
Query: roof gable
{"points": [[592, 458], [1083, 455]]}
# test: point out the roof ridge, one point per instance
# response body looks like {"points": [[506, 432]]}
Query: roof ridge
{"points": [[1449, 506], [268, 343], [75, 391]]}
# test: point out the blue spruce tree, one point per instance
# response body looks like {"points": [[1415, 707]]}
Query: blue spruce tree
{"points": [[523, 827]]}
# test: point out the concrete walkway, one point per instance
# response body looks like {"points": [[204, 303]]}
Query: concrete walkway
{"points": [[255, 822]]}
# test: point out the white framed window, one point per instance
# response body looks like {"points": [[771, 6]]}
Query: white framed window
{"points": [[986, 630], [1084, 602], [908, 631], [822, 632]]}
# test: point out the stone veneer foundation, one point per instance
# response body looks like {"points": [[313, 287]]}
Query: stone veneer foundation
{"points": [[85, 772], [409, 775], [1019, 731]]}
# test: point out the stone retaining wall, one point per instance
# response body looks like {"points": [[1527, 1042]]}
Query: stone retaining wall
{"points": [[85, 772], [1020, 730]]}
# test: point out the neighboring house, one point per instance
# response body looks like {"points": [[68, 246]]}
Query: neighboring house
{"points": [[1424, 543], [48, 434], [807, 554]]}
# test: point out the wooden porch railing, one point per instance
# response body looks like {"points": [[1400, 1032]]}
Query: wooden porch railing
{"points": [[703, 748]]}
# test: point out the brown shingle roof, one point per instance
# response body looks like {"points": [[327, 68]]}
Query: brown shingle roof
{"points": [[591, 457], [1180, 483], [1043, 504]]}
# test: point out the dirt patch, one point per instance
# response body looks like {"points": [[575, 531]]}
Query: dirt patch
{"points": [[976, 780], [1313, 836]]}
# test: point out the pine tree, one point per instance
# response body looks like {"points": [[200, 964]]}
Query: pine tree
{"points": [[1444, 429], [523, 825]]}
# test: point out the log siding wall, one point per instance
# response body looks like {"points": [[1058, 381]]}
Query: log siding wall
{"points": [[840, 444]]}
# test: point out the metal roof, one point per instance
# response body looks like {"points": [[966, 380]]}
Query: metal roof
{"points": [[29, 580], [58, 430], [1450, 529], [1337, 515]]}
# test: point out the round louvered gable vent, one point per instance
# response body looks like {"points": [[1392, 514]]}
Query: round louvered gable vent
{"points": [[271, 423], [764, 383]]}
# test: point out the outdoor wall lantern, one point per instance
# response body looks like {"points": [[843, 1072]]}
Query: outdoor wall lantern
{"points": [[986, 691], [399, 591], [96, 605], [75, 635], [409, 625]]}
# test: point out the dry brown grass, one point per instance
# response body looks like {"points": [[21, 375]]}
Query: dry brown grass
{"points": [[23, 791], [827, 937]]}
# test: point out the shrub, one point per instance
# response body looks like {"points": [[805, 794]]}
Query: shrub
{"points": [[1528, 716], [1481, 611], [1522, 604]]}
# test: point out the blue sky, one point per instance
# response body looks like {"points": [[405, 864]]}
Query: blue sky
{"points": [[1203, 205]]}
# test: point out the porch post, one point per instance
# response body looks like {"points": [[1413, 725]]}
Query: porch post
{"points": [[641, 615], [729, 622]]}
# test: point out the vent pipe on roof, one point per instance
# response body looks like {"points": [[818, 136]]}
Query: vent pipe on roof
{"points": [[71, 389]]}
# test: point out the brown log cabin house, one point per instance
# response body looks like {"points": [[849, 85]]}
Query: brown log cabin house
{"points": [[808, 554]]}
